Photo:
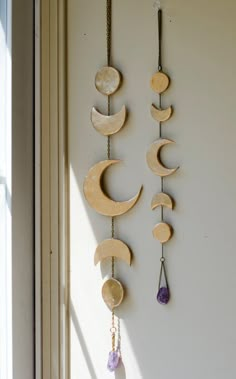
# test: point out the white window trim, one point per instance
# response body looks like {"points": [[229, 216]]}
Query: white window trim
{"points": [[6, 349], [52, 283]]}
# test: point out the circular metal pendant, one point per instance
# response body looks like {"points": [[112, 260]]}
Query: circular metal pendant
{"points": [[160, 82], [107, 80], [112, 293]]}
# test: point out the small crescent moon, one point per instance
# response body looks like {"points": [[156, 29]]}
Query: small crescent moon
{"points": [[108, 125], [153, 159], [97, 199], [161, 115], [112, 248], [162, 199]]}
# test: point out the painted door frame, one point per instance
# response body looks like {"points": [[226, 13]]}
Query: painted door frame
{"points": [[52, 257]]}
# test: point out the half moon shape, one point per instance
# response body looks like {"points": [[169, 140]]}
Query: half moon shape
{"points": [[112, 248], [108, 125], [161, 115], [97, 199], [162, 199], [154, 161]]}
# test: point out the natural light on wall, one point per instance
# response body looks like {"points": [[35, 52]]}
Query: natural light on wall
{"points": [[90, 337], [5, 192]]}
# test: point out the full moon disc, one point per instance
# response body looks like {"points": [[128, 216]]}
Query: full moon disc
{"points": [[162, 232], [160, 82], [107, 80], [112, 293]]}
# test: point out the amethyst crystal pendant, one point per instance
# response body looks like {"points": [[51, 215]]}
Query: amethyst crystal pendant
{"points": [[163, 295], [113, 360]]}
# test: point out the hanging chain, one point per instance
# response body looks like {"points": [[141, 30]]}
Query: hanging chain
{"points": [[108, 31], [159, 20], [108, 37], [113, 331]]}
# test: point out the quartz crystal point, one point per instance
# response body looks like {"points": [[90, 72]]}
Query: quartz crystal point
{"points": [[113, 360]]}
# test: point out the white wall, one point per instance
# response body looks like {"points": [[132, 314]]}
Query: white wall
{"points": [[194, 336]]}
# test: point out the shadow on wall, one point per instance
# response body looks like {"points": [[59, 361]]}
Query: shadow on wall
{"points": [[119, 373]]}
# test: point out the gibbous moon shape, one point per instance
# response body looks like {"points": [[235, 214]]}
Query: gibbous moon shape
{"points": [[97, 199], [161, 115], [162, 199], [107, 80], [112, 293], [162, 232], [160, 82], [153, 159], [108, 125], [112, 248]]}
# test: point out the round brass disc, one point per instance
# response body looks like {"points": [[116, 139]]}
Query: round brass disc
{"points": [[107, 80], [112, 293], [160, 82], [162, 232]]}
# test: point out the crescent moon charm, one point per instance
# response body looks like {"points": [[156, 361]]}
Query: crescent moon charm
{"points": [[154, 161], [97, 199], [112, 248], [161, 115], [162, 199], [108, 125]]}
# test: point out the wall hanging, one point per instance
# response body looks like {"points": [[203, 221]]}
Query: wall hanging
{"points": [[107, 82], [162, 231]]}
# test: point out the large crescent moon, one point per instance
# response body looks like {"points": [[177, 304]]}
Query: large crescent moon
{"points": [[112, 248], [108, 125], [153, 159], [97, 199], [161, 115]]}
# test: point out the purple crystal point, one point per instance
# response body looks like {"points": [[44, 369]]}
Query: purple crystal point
{"points": [[113, 360], [163, 295]]}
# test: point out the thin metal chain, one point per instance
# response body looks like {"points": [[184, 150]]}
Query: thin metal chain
{"points": [[108, 35], [108, 31], [159, 20], [113, 331]]}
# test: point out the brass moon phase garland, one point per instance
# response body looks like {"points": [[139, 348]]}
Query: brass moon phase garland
{"points": [[107, 82], [162, 231]]}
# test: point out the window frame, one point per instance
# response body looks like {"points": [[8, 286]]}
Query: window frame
{"points": [[52, 231]]}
